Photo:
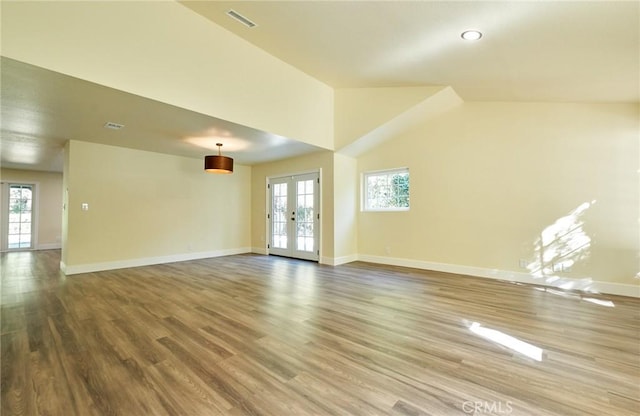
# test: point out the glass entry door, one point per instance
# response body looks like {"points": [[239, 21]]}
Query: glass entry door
{"points": [[17, 209], [294, 216]]}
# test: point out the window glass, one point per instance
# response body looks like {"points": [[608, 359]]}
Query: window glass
{"points": [[386, 190]]}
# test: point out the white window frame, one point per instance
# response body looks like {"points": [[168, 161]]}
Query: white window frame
{"points": [[4, 214], [364, 189]]}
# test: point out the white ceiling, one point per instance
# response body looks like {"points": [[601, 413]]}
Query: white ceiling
{"points": [[42, 109], [561, 51], [531, 50]]}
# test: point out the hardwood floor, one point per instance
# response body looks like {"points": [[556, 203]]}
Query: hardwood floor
{"points": [[258, 335]]}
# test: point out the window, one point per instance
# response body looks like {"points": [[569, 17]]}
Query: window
{"points": [[386, 190], [20, 216]]}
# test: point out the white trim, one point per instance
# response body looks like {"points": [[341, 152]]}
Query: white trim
{"points": [[387, 170], [314, 256], [35, 214], [267, 219], [364, 190], [621, 289], [400, 209], [49, 246], [611, 288], [320, 213], [148, 261], [288, 175], [260, 250], [510, 276], [337, 261], [345, 259]]}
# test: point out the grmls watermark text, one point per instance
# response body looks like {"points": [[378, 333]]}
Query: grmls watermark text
{"points": [[487, 407]]}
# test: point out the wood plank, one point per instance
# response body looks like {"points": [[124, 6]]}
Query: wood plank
{"points": [[259, 335], [15, 380]]}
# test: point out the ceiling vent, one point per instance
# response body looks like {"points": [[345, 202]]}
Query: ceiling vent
{"points": [[240, 18], [113, 126]]}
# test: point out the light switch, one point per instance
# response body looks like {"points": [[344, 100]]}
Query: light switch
{"points": [[85, 206]]}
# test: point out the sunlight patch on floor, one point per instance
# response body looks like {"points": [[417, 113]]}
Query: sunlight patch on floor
{"points": [[508, 341]]}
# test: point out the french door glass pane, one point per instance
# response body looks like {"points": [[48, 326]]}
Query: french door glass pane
{"points": [[294, 216], [19, 224], [280, 215], [305, 216]]}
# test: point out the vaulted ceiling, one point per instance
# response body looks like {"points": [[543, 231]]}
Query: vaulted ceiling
{"points": [[530, 51]]}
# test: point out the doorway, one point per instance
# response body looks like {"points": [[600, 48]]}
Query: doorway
{"points": [[17, 209], [294, 216]]}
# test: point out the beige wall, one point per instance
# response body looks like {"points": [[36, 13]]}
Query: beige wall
{"points": [[345, 206], [173, 55], [48, 200], [321, 160], [358, 111], [65, 203], [488, 178], [145, 205]]}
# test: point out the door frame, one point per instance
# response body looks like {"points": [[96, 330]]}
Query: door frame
{"points": [[4, 213], [268, 179]]}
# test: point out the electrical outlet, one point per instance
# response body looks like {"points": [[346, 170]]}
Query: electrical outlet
{"points": [[523, 263], [387, 250]]}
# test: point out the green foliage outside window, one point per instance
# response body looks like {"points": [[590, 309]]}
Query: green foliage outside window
{"points": [[387, 190]]}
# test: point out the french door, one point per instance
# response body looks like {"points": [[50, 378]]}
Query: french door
{"points": [[17, 210], [294, 217]]}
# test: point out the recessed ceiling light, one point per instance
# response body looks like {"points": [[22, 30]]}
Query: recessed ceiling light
{"points": [[471, 35]]}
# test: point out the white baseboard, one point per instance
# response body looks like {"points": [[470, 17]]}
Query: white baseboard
{"points": [[330, 261], [586, 285], [617, 289], [45, 246], [49, 246], [259, 250], [326, 260], [148, 261], [336, 261]]}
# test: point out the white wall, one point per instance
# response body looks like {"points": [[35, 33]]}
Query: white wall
{"points": [[147, 208], [358, 111], [165, 51], [488, 178], [345, 208]]}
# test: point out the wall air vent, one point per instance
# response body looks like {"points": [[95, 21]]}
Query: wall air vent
{"points": [[240, 18], [113, 126]]}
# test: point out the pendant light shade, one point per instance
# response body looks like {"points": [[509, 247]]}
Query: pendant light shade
{"points": [[218, 163]]}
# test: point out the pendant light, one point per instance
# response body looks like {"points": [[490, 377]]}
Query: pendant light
{"points": [[218, 163]]}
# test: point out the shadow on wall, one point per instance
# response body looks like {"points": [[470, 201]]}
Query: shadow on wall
{"points": [[560, 246]]}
